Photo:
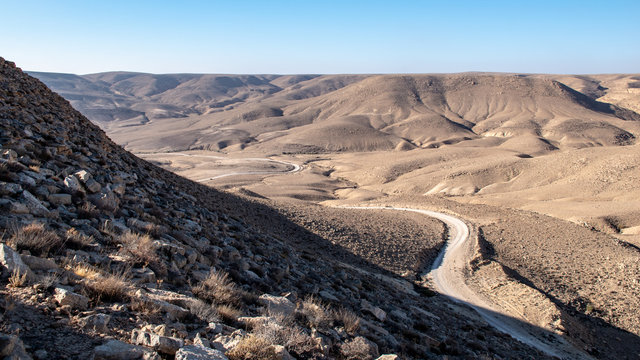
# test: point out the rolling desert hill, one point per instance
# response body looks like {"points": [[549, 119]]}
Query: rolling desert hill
{"points": [[332, 113]]}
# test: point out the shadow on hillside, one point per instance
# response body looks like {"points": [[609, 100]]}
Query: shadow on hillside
{"points": [[599, 338], [603, 339], [38, 330]]}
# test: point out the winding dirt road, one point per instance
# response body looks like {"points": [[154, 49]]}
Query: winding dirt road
{"points": [[292, 167], [447, 274]]}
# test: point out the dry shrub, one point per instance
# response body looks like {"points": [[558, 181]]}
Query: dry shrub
{"points": [[83, 270], [140, 247], [77, 240], [349, 320], [152, 229], [293, 338], [316, 313], [35, 238], [50, 280], [218, 289], [108, 287], [17, 280], [252, 348], [203, 311], [145, 307], [228, 313], [358, 348]]}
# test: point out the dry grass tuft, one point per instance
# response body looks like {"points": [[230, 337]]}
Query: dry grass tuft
{"points": [[108, 287], [252, 348], [35, 238], [50, 280], [228, 313], [83, 270], [203, 311], [145, 307], [293, 338], [349, 320], [218, 289], [17, 280], [140, 247], [77, 240], [358, 349], [316, 313]]}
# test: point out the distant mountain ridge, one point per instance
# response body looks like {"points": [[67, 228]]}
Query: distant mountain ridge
{"points": [[318, 113]]}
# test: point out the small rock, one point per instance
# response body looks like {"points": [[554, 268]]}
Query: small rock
{"points": [[225, 343], [164, 344], [26, 180], [118, 350], [12, 262], [162, 330], [201, 341], [215, 328], [119, 188], [388, 357], [143, 276], [277, 304], [328, 296], [93, 186], [83, 175], [282, 353], [18, 208], [96, 322], [174, 312], [60, 199], [9, 154], [106, 200], [35, 206], [75, 301], [191, 352], [72, 183], [179, 260], [9, 188], [375, 311], [38, 263]]}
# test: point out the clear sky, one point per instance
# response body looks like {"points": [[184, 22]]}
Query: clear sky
{"points": [[322, 36]]}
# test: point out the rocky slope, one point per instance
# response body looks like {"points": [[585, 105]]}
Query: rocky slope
{"points": [[107, 256]]}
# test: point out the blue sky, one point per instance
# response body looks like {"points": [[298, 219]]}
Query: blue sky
{"points": [[286, 37]]}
